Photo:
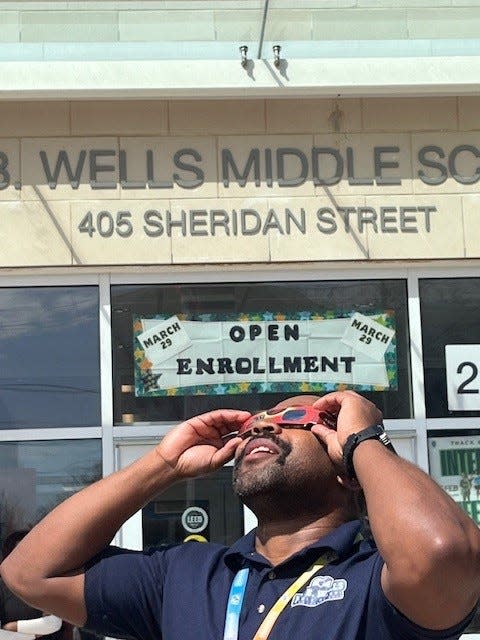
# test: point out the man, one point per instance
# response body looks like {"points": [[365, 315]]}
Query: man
{"points": [[422, 582]]}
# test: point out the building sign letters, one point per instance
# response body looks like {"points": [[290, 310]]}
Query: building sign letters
{"points": [[249, 222], [282, 166], [167, 200]]}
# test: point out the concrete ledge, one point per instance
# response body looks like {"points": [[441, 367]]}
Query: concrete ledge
{"points": [[185, 79]]}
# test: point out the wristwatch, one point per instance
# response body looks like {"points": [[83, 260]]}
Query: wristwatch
{"points": [[375, 432]]}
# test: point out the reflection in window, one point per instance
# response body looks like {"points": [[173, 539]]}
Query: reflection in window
{"points": [[36, 476], [49, 357], [204, 509], [135, 308]]}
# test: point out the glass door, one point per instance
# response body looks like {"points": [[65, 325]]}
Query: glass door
{"points": [[204, 509]]}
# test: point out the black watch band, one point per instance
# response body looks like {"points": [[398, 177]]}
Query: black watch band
{"points": [[375, 432]]}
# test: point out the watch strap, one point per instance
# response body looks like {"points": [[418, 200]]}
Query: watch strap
{"points": [[374, 432]]}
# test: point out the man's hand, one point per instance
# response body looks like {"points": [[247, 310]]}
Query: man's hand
{"points": [[430, 547], [354, 413], [196, 446]]}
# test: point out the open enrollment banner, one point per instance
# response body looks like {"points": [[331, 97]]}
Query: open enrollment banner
{"points": [[213, 354]]}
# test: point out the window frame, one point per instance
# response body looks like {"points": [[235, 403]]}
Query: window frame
{"points": [[104, 279]]}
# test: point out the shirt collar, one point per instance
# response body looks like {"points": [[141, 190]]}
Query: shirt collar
{"points": [[341, 540]]}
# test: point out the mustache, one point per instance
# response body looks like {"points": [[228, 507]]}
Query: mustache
{"points": [[285, 448]]}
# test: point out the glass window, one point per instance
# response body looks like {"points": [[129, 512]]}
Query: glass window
{"points": [[454, 462], [49, 357], [204, 509], [450, 310], [180, 350], [36, 476]]}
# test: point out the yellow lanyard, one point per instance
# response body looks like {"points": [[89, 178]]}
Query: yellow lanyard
{"points": [[266, 627]]}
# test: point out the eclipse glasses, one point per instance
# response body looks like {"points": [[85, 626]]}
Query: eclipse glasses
{"points": [[301, 417]]}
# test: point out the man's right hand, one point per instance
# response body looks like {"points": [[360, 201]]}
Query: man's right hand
{"points": [[196, 447]]}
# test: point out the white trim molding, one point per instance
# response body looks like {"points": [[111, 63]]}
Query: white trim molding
{"points": [[210, 79]]}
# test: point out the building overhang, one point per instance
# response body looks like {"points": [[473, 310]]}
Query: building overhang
{"points": [[217, 79]]}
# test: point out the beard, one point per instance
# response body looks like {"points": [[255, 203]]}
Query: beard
{"points": [[250, 483]]}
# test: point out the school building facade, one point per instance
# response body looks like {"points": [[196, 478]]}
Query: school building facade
{"points": [[207, 205]]}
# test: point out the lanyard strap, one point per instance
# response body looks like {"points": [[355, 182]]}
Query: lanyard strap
{"points": [[234, 606], [272, 616], [237, 592]]}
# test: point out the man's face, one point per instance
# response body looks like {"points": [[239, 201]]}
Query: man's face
{"points": [[278, 461]]}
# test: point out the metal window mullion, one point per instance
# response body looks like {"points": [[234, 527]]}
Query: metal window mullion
{"points": [[106, 373], [50, 433], [235, 275], [51, 280], [416, 362], [457, 423]]}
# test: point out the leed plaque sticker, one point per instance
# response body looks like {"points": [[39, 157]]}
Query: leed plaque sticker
{"points": [[194, 519]]}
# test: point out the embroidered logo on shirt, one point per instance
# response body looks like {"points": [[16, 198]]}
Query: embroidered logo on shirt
{"points": [[321, 589]]}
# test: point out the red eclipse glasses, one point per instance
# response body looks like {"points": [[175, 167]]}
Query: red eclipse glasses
{"points": [[301, 417]]}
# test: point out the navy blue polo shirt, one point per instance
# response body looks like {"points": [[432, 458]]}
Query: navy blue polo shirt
{"points": [[181, 592]]}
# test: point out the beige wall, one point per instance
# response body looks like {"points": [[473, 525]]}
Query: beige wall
{"points": [[407, 219]]}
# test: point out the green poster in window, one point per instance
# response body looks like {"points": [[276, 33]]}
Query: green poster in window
{"points": [[265, 352], [455, 465]]}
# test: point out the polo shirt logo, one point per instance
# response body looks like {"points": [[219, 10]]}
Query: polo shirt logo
{"points": [[321, 589]]}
